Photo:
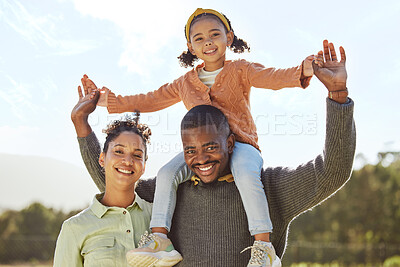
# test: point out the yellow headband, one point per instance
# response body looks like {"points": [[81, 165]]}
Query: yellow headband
{"points": [[200, 11]]}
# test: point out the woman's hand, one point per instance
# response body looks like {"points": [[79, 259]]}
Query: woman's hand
{"points": [[80, 113]]}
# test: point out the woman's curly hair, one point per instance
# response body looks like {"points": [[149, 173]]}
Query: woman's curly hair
{"points": [[187, 59], [127, 124]]}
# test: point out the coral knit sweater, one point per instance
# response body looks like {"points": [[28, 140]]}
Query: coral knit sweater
{"points": [[230, 93]]}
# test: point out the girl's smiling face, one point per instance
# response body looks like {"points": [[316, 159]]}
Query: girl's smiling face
{"points": [[208, 41]]}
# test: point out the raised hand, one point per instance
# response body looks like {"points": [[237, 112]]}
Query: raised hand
{"points": [[89, 86], [86, 104], [331, 72], [80, 113]]}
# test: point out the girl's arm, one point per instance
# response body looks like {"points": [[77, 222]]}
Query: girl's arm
{"points": [[272, 78], [167, 95]]}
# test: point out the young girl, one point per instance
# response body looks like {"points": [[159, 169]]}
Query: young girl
{"points": [[225, 85]]}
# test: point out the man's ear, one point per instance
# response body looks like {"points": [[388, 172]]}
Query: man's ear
{"points": [[101, 159], [190, 47], [230, 142], [230, 36]]}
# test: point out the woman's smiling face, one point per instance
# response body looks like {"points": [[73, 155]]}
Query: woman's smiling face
{"points": [[124, 161]]}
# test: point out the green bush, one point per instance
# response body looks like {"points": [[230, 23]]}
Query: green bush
{"points": [[392, 262]]}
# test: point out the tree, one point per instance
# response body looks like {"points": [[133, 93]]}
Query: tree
{"points": [[365, 213], [30, 233]]}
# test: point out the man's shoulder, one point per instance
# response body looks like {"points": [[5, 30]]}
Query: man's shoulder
{"points": [[146, 188], [144, 205]]}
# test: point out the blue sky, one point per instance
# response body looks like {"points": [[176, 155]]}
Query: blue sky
{"points": [[131, 47]]}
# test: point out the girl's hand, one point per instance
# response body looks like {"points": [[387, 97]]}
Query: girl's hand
{"points": [[307, 66], [103, 97], [89, 86]]}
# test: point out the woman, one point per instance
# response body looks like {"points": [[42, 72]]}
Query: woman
{"points": [[112, 225]]}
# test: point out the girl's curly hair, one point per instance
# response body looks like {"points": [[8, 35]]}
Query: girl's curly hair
{"points": [[187, 59], [127, 124]]}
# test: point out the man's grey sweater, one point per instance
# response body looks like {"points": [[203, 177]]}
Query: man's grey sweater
{"points": [[210, 227]]}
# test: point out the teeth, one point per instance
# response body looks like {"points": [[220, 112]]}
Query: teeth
{"points": [[125, 171], [205, 169], [210, 51]]}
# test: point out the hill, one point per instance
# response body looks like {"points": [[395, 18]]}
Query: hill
{"points": [[57, 184]]}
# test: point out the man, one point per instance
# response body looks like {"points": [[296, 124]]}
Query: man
{"points": [[209, 226]]}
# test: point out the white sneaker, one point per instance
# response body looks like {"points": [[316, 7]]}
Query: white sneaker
{"points": [[263, 255], [153, 250]]}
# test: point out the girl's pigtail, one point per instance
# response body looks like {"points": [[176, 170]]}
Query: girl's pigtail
{"points": [[239, 45], [187, 59]]}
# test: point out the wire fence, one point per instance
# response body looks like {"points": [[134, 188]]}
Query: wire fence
{"points": [[27, 248], [41, 248], [342, 253]]}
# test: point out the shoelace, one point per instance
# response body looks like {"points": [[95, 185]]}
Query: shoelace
{"points": [[257, 254], [145, 239]]}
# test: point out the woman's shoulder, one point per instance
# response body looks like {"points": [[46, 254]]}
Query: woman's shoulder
{"points": [[80, 218]]}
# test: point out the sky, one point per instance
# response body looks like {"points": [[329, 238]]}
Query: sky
{"points": [[132, 47]]}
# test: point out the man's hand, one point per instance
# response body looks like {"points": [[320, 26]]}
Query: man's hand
{"points": [[89, 86], [80, 113], [331, 72]]}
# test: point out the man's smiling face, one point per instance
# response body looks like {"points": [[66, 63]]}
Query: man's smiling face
{"points": [[207, 151]]}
